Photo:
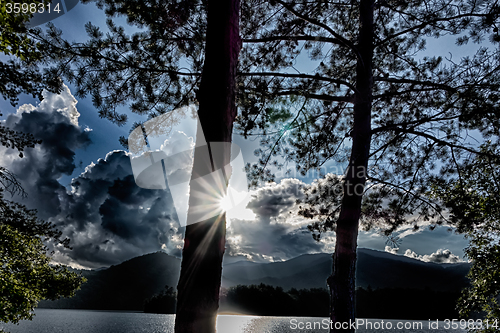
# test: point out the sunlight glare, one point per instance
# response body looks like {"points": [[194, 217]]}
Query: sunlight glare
{"points": [[225, 203]]}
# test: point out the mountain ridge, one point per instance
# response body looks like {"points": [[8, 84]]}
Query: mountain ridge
{"points": [[127, 285]]}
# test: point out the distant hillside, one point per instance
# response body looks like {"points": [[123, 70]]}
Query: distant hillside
{"points": [[385, 270], [374, 268], [124, 286], [127, 285]]}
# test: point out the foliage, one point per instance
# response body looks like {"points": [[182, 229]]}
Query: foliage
{"points": [[27, 275], [266, 300], [367, 94], [13, 33], [305, 119], [483, 295], [412, 304], [19, 72], [263, 299], [423, 106], [145, 68], [473, 199], [164, 302]]}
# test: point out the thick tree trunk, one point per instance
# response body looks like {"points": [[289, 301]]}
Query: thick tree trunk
{"points": [[342, 280], [204, 242]]}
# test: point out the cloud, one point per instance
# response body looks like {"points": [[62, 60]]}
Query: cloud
{"points": [[276, 233], [55, 122], [261, 241], [63, 103], [391, 249], [108, 218], [275, 199], [440, 256], [425, 240]]}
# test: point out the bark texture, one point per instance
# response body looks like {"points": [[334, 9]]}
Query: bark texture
{"points": [[204, 242], [342, 280]]}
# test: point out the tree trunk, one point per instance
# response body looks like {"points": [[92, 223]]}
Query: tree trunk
{"points": [[342, 280], [204, 242]]}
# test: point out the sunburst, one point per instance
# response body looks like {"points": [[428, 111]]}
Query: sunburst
{"points": [[226, 202]]}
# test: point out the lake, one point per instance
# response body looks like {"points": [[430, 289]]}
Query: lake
{"points": [[86, 321]]}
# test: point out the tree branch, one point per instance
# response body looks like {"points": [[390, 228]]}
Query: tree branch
{"points": [[424, 24], [79, 46], [322, 97], [445, 143], [302, 76], [399, 93], [402, 126], [416, 196], [342, 40], [294, 38], [416, 82]]}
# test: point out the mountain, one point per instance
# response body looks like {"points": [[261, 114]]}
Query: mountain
{"points": [[385, 270], [374, 268], [306, 271], [124, 286], [127, 285]]}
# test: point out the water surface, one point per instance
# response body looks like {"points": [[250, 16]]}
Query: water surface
{"points": [[86, 321]]}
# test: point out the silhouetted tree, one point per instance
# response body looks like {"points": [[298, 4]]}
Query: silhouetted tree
{"points": [[164, 302], [373, 99], [472, 196], [26, 271], [402, 112], [266, 300], [205, 241], [19, 72], [147, 69]]}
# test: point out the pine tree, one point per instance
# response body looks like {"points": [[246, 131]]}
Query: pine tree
{"points": [[372, 99], [19, 72], [205, 241], [144, 69], [398, 117], [472, 195]]}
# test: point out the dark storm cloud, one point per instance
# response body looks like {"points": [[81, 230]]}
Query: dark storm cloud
{"points": [[41, 167], [108, 218], [123, 204], [275, 199], [276, 233]]}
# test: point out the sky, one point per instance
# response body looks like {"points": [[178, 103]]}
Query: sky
{"points": [[81, 179]]}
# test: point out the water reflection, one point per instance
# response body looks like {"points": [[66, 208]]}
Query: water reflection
{"points": [[83, 321]]}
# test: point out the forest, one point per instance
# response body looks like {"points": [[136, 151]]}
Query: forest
{"points": [[265, 300], [350, 82]]}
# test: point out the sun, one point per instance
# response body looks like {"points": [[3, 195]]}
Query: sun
{"points": [[234, 203], [225, 203]]}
